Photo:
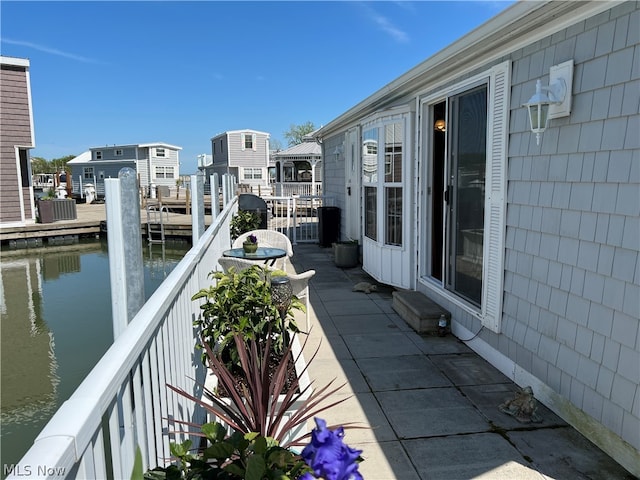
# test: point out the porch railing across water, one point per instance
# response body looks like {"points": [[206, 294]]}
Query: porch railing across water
{"points": [[124, 403]]}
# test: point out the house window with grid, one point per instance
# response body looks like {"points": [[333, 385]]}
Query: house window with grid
{"points": [[87, 173], [164, 172], [393, 134], [248, 142], [382, 180], [252, 174], [98, 155], [160, 152], [117, 152], [370, 179]]}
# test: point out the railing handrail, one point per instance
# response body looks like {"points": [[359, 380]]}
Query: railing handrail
{"points": [[64, 441]]}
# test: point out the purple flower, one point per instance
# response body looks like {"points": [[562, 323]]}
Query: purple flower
{"points": [[252, 238], [328, 456]]}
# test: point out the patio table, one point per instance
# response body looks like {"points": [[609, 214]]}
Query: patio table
{"points": [[262, 253]]}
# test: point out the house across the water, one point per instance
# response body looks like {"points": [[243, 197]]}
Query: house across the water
{"points": [[156, 164], [527, 232]]}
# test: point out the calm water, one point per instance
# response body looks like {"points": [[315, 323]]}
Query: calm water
{"points": [[55, 310]]}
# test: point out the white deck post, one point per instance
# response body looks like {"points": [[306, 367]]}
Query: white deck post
{"points": [[215, 197], [124, 241], [197, 207]]}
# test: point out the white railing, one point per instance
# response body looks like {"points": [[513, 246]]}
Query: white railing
{"points": [[124, 403], [287, 189], [296, 217]]}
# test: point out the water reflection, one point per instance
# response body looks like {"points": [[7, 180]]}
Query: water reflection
{"points": [[55, 324]]}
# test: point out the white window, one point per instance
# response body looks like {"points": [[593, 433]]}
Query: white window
{"points": [[387, 185], [87, 173], [98, 155], [252, 174], [164, 172], [117, 152], [160, 152], [248, 141]]}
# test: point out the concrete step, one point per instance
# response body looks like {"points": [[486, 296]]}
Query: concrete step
{"points": [[420, 313]]}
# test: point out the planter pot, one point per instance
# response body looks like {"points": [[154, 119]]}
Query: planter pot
{"points": [[249, 247], [346, 254], [45, 211], [211, 382]]}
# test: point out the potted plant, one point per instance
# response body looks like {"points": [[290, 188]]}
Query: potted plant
{"points": [[244, 221], [250, 245], [346, 254], [240, 302], [252, 456]]}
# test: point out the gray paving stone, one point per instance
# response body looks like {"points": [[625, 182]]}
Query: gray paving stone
{"points": [[565, 453], [468, 369], [380, 345], [401, 373], [430, 412], [372, 323], [435, 345], [484, 455]]}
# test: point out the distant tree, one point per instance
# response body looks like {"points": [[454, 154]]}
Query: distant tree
{"points": [[296, 132], [60, 164], [39, 165], [275, 144]]}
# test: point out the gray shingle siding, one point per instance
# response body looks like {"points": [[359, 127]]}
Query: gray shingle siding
{"points": [[581, 185]]}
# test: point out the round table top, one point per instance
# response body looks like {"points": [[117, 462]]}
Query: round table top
{"points": [[262, 253]]}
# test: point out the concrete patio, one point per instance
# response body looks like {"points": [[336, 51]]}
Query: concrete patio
{"points": [[431, 403]]}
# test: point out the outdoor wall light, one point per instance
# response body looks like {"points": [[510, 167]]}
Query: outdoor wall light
{"points": [[552, 101], [440, 126]]}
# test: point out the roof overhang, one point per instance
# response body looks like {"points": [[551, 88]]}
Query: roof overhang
{"points": [[521, 24]]}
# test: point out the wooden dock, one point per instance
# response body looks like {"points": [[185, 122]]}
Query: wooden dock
{"points": [[90, 221]]}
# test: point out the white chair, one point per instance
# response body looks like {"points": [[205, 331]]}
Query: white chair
{"points": [[269, 238], [299, 281], [300, 287]]}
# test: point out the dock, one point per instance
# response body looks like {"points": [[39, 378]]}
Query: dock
{"points": [[90, 222]]}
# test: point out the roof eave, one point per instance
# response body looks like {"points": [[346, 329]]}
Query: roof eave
{"points": [[489, 40]]}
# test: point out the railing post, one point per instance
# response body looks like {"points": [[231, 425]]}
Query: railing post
{"points": [[215, 196], [124, 241], [197, 207], [295, 222], [225, 188]]}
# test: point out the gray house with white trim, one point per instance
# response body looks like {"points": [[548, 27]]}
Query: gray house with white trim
{"points": [[533, 248], [242, 153], [155, 163]]}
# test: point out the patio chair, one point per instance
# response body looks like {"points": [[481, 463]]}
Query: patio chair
{"points": [[269, 238], [299, 281]]}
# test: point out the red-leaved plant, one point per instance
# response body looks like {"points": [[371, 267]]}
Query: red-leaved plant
{"points": [[265, 396]]}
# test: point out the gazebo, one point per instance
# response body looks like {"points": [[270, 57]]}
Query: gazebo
{"points": [[297, 170]]}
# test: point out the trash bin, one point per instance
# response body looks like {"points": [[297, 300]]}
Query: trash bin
{"points": [[252, 203], [328, 225]]}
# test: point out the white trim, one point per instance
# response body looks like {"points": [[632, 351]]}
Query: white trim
{"points": [[495, 196], [498, 84], [16, 152]]}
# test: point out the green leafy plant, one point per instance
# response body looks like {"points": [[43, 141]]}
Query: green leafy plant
{"points": [[263, 403], [248, 456], [240, 303], [244, 221]]}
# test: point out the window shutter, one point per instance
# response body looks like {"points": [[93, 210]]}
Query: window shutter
{"points": [[242, 141], [253, 142], [496, 184]]}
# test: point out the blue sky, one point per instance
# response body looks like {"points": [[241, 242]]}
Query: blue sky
{"points": [[105, 73]]}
